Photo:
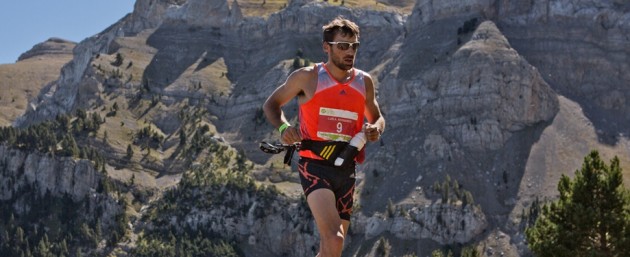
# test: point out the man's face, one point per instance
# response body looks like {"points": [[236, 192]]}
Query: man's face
{"points": [[344, 59]]}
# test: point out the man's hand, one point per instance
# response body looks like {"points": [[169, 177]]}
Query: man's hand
{"points": [[290, 135], [372, 132]]}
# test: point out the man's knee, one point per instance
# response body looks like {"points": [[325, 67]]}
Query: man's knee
{"points": [[332, 239]]}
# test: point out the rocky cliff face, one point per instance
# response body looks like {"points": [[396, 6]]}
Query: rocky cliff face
{"points": [[275, 227], [581, 48], [485, 92], [284, 226], [57, 177], [148, 14], [443, 223], [469, 101]]}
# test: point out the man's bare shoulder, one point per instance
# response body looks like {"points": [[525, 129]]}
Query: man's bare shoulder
{"points": [[369, 81], [303, 74], [367, 76]]}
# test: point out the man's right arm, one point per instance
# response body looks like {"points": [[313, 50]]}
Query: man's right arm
{"points": [[282, 95]]}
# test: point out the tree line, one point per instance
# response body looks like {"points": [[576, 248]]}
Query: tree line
{"points": [[58, 137]]}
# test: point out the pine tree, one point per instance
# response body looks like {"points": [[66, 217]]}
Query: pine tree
{"points": [[129, 152], [19, 236], [43, 247], [182, 137], [391, 209], [591, 216], [470, 251], [81, 114], [63, 121], [64, 247], [467, 199], [73, 146], [118, 61], [97, 120], [69, 146], [5, 239], [446, 188], [439, 253], [296, 63], [384, 247]]}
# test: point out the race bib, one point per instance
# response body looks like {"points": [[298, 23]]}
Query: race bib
{"points": [[335, 124]]}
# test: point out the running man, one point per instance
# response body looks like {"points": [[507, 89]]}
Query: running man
{"points": [[335, 100]]}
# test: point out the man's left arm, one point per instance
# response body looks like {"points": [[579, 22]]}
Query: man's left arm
{"points": [[376, 122]]}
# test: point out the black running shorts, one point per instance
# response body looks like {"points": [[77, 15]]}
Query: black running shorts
{"points": [[316, 174]]}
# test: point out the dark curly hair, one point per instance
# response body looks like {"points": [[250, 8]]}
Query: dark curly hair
{"points": [[340, 25]]}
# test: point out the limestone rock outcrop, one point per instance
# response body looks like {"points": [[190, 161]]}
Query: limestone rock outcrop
{"points": [[40, 174], [494, 88], [149, 14], [269, 225], [57, 175], [482, 94], [443, 223]]}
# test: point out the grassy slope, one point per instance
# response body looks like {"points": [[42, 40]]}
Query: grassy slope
{"points": [[22, 81], [158, 168]]}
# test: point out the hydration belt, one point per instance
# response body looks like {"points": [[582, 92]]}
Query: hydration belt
{"points": [[327, 150], [332, 152]]}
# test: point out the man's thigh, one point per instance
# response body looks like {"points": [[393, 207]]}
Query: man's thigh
{"points": [[322, 204]]}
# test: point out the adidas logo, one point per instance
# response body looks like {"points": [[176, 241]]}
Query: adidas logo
{"points": [[327, 151]]}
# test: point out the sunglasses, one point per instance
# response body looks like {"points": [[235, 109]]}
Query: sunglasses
{"points": [[343, 46]]}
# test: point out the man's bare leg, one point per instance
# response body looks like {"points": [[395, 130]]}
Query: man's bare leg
{"points": [[345, 224], [331, 228]]}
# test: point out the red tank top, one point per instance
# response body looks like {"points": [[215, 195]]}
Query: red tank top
{"points": [[336, 111]]}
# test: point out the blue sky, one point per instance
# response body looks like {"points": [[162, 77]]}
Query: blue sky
{"points": [[24, 23]]}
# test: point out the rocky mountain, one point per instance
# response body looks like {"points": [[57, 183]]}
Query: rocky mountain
{"points": [[52, 46], [492, 99]]}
